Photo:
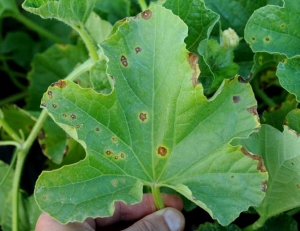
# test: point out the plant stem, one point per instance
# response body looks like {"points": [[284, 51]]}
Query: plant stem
{"points": [[84, 67], [262, 94], [13, 98], [143, 5], [21, 157], [10, 142], [10, 131], [256, 225], [35, 27], [88, 42], [157, 197]]}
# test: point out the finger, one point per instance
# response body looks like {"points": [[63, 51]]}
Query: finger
{"points": [[47, 223], [125, 212], [168, 219]]}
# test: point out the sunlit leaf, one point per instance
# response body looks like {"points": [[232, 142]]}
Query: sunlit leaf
{"points": [[288, 74], [282, 160], [275, 116], [275, 29], [192, 12], [155, 129]]}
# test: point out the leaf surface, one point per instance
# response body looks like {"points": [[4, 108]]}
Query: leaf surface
{"points": [[68, 11], [156, 128], [282, 159], [192, 12], [275, 29], [288, 74]]}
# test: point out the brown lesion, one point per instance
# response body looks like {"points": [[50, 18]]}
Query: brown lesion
{"points": [[137, 50], [253, 110], [124, 61], [147, 14], [260, 165], [143, 116], [193, 61], [60, 83], [162, 151], [263, 186], [236, 99]]}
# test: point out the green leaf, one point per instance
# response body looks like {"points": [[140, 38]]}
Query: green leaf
{"points": [[219, 60], [235, 13], [275, 29], [112, 11], [8, 7], [216, 227], [198, 18], [18, 119], [21, 52], [28, 209], [279, 151], [292, 120], [53, 141], [155, 129], [275, 116], [54, 64], [98, 29], [266, 62], [281, 222], [73, 13], [5, 187], [288, 75]]}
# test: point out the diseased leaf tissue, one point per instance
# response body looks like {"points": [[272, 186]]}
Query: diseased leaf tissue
{"points": [[156, 129]]}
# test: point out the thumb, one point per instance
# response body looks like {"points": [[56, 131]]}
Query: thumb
{"points": [[168, 219]]}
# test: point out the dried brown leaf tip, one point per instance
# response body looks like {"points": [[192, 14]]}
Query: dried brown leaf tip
{"points": [[147, 14], [59, 83], [260, 165], [252, 110], [193, 61]]}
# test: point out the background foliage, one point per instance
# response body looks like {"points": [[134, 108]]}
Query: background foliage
{"points": [[35, 52]]}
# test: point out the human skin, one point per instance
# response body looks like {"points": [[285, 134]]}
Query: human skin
{"points": [[143, 215]]}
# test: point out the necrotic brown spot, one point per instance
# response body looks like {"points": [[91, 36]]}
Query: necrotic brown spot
{"points": [[162, 151], [252, 110], [146, 14], [143, 116], [78, 126], [43, 105], [108, 152], [263, 186], [253, 39], [122, 155], [50, 94], [114, 139], [298, 186], [54, 105], [242, 80], [97, 129], [236, 99], [267, 39], [124, 61], [116, 157], [73, 116], [260, 165], [65, 115], [44, 197], [138, 50], [41, 135], [193, 61], [59, 83]]}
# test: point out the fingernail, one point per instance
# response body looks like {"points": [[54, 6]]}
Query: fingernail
{"points": [[172, 219]]}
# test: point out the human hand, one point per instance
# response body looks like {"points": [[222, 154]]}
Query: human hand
{"points": [[167, 219]]}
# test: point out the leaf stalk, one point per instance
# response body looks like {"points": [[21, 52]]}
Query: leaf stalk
{"points": [[157, 197], [256, 225]]}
